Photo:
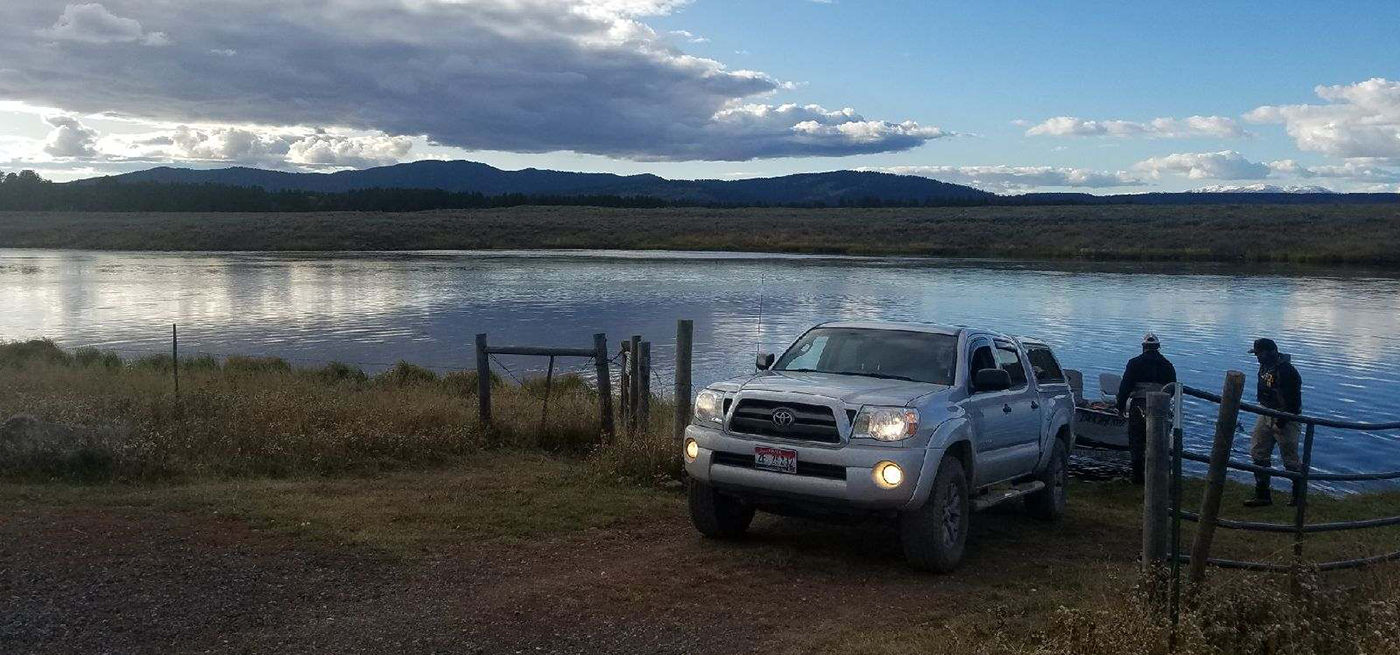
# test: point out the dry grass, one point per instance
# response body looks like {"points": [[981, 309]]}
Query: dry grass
{"points": [[1319, 234], [310, 453], [261, 417]]}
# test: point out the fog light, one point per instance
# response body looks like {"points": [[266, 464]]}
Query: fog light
{"points": [[888, 475], [692, 450]]}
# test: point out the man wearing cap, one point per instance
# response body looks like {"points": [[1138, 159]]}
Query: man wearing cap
{"points": [[1147, 372], [1280, 388]]}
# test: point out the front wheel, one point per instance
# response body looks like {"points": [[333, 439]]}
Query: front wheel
{"points": [[935, 535], [715, 515], [1049, 503]]}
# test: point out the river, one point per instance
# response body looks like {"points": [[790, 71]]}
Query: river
{"points": [[1342, 327]]}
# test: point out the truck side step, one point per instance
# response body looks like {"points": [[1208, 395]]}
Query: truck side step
{"points": [[1000, 496]]}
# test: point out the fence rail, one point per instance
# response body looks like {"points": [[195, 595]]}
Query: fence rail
{"points": [[1155, 550]]}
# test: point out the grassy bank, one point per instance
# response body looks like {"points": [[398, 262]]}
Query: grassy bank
{"points": [[1318, 234], [327, 497], [103, 418]]}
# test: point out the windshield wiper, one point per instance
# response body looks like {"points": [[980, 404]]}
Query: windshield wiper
{"points": [[882, 376]]}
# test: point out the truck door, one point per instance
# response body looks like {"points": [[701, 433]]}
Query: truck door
{"points": [[993, 427], [1023, 438]]}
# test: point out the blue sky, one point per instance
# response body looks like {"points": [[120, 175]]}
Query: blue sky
{"points": [[1164, 97]]}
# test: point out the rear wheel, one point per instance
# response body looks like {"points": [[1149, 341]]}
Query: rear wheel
{"points": [[715, 515], [1049, 503], [935, 535]]}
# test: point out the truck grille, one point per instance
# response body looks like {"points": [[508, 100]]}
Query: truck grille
{"points": [[809, 422], [829, 471]]}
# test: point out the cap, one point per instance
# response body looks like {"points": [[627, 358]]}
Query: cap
{"points": [[1264, 346], [1150, 339]]}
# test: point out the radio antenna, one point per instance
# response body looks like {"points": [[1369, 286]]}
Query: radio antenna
{"points": [[758, 335]]}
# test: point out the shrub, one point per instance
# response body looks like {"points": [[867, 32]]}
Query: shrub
{"points": [[404, 374], [20, 353], [465, 382], [339, 372], [97, 358], [238, 364]]}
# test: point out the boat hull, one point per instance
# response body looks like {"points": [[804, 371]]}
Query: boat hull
{"points": [[1100, 427]]}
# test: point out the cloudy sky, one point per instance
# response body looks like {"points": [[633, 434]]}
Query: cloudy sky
{"points": [[1009, 96]]}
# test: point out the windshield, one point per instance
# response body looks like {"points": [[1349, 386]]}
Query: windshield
{"points": [[893, 354]]}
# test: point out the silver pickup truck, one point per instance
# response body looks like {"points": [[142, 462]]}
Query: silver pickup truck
{"points": [[915, 422]]}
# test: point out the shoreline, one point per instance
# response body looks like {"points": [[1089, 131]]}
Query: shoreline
{"points": [[1357, 237]]}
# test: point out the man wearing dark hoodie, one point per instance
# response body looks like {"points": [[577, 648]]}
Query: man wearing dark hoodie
{"points": [[1145, 373], [1280, 388]]}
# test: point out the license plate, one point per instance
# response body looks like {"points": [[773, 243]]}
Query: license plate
{"points": [[781, 460]]}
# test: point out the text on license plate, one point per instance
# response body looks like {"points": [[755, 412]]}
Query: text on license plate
{"points": [[782, 460]]}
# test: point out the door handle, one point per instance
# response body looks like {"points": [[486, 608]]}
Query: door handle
{"points": [[1035, 405], [1006, 409]]}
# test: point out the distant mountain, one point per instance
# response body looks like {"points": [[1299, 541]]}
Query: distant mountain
{"points": [[1261, 188], [466, 176], [833, 188]]}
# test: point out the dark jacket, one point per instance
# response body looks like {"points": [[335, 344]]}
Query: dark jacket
{"points": [[1149, 367], [1280, 386]]}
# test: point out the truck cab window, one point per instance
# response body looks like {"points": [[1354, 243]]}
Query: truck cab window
{"points": [[1010, 362], [1047, 370], [981, 358]]}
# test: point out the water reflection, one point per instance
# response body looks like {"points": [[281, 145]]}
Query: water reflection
{"points": [[1341, 327]]}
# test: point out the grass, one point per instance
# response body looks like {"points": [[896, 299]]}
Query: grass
{"points": [[1293, 234], [395, 464], [260, 417]]}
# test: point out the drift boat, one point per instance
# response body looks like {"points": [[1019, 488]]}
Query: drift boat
{"points": [[1097, 423]]}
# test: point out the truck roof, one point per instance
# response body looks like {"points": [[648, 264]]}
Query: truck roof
{"points": [[931, 328]]}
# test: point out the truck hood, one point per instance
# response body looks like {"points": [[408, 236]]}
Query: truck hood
{"points": [[850, 389]]}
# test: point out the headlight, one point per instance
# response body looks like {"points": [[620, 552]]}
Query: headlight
{"points": [[888, 475], [692, 450], [709, 407], [886, 423]]}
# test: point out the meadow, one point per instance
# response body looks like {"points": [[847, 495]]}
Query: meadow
{"points": [[1360, 235], [323, 508]]}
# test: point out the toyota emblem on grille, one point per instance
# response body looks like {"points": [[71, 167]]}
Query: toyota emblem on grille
{"points": [[783, 417]]}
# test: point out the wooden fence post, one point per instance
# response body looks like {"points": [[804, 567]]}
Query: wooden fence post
{"points": [[1156, 523], [1301, 510], [685, 333], [644, 387], [483, 381], [175, 358], [1225, 424], [624, 387], [600, 358], [634, 382]]}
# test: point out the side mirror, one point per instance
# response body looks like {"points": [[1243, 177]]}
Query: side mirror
{"points": [[991, 379], [764, 361]]}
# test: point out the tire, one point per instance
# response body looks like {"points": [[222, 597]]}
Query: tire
{"points": [[1048, 504], [935, 535], [715, 515]]}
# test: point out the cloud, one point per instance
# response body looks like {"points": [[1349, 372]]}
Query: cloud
{"points": [[349, 152], [1157, 128], [1355, 170], [263, 147], [92, 23], [1222, 165], [1020, 178], [70, 138], [1231, 165], [688, 36], [1360, 120], [528, 76]]}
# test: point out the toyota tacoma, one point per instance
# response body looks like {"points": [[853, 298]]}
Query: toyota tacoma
{"points": [[918, 423]]}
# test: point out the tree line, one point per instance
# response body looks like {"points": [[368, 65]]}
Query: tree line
{"points": [[27, 191]]}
